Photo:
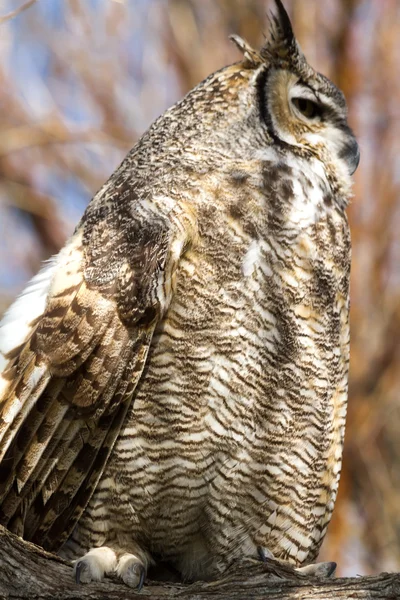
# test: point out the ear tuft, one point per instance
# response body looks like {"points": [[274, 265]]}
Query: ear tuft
{"points": [[252, 58], [281, 46]]}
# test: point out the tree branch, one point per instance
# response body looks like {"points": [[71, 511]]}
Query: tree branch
{"points": [[28, 572], [17, 11]]}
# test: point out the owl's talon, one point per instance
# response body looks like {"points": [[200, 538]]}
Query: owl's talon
{"points": [[264, 554], [132, 571], [141, 578], [331, 568], [82, 572], [94, 565], [78, 567], [322, 569]]}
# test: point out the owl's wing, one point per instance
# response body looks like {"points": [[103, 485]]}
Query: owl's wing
{"points": [[73, 348]]}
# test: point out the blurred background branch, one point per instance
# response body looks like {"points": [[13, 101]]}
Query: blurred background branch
{"points": [[16, 12], [80, 81]]}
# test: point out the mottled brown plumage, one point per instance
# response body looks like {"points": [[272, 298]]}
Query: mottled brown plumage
{"points": [[174, 382]]}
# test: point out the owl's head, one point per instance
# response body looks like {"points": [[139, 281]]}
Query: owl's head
{"points": [[304, 112]]}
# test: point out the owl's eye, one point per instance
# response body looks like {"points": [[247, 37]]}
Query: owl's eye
{"points": [[308, 108]]}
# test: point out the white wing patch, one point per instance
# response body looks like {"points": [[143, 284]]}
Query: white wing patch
{"points": [[15, 326]]}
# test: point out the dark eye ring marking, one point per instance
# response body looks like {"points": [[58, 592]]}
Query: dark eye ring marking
{"points": [[307, 108]]}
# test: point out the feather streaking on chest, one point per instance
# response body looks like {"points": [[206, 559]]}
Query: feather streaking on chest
{"points": [[237, 429]]}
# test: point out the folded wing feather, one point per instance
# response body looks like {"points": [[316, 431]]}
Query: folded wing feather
{"points": [[71, 352]]}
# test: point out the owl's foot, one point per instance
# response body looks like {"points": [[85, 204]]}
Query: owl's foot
{"points": [[102, 561], [95, 564], [322, 569], [132, 571]]}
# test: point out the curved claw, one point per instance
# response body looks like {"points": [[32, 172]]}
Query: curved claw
{"points": [[142, 575], [78, 569], [261, 554], [264, 554], [323, 569], [331, 570]]}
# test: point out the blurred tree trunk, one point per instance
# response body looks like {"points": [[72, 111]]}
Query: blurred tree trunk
{"points": [[29, 572]]}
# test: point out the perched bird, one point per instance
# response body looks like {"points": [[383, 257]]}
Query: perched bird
{"points": [[174, 382]]}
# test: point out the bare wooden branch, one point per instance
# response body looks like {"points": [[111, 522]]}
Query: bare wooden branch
{"points": [[20, 138], [28, 572], [17, 11]]}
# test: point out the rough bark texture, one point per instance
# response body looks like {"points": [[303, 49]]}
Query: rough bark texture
{"points": [[27, 571]]}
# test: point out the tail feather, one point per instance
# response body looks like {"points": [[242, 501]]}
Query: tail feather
{"points": [[51, 536], [46, 463], [18, 405], [62, 485], [38, 444]]}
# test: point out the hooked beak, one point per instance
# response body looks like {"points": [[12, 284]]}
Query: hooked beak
{"points": [[350, 152]]}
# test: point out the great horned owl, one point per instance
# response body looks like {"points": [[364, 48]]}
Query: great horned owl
{"points": [[174, 381]]}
